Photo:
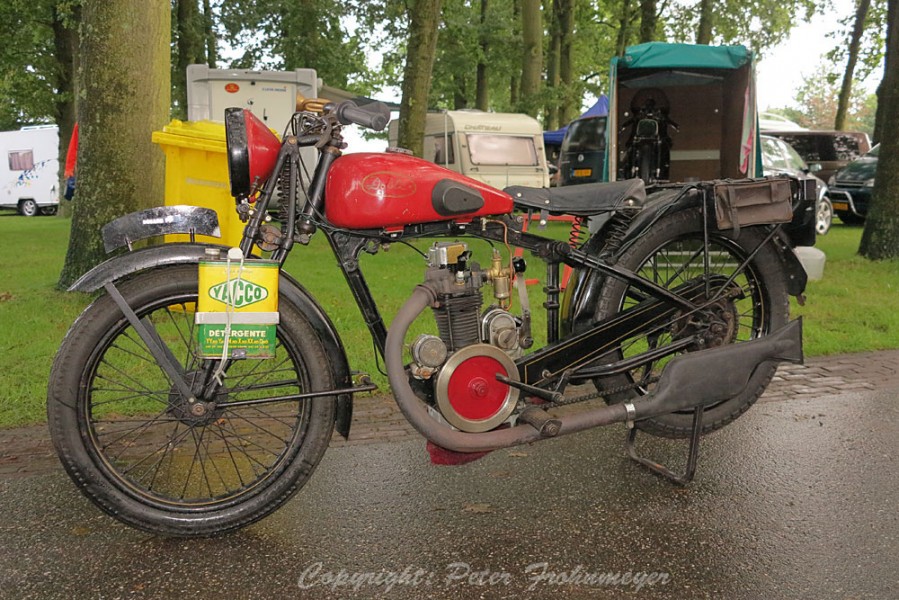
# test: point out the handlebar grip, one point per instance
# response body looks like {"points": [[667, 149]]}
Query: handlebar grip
{"points": [[374, 115]]}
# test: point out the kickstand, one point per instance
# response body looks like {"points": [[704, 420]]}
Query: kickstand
{"points": [[658, 469]]}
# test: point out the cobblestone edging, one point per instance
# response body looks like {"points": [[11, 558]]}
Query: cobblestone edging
{"points": [[26, 451]]}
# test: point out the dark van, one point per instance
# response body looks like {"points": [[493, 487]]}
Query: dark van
{"points": [[833, 150], [581, 158]]}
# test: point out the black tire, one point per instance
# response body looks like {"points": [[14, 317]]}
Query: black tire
{"points": [[128, 440], [27, 207], [48, 211], [658, 254], [646, 171]]}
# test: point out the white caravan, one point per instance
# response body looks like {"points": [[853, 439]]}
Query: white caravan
{"points": [[29, 169], [500, 149]]}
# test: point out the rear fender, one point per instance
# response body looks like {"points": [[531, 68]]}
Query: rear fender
{"points": [[582, 294], [290, 289]]}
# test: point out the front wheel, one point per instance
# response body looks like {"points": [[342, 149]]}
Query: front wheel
{"points": [[140, 451], [670, 254]]}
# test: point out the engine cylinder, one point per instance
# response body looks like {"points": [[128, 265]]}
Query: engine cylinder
{"points": [[458, 320]]}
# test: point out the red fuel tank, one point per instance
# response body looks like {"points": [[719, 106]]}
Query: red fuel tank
{"points": [[378, 190]]}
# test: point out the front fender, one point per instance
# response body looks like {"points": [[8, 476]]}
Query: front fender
{"points": [[289, 289]]}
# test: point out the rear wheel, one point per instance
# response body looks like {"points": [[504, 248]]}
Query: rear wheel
{"points": [[139, 450], [755, 304]]}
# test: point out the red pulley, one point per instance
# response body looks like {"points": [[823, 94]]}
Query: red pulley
{"points": [[468, 393]]}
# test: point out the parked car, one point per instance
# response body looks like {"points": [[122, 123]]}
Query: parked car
{"points": [[833, 150], [582, 156], [779, 158], [851, 187]]}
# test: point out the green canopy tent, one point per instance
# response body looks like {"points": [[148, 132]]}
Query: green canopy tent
{"points": [[712, 97]]}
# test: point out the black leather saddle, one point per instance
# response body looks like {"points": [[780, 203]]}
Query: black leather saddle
{"points": [[583, 200]]}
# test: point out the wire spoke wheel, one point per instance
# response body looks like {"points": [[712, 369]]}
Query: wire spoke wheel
{"points": [[738, 305], [163, 458]]}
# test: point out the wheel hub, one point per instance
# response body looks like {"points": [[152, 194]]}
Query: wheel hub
{"points": [[195, 411], [715, 326]]}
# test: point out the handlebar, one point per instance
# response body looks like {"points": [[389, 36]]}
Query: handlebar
{"points": [[374, 115]]}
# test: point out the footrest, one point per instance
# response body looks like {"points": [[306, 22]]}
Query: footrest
{"points": [[541, 420], [692, 456]]}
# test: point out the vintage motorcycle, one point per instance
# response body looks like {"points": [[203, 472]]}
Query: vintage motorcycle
{"points": [[648, 147], [191, 398]]}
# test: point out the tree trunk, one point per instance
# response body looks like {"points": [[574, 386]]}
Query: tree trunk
{"points": [[191, 46], [880, 239], [515, 77], [706, 19], [532, 56], [421, 49], [209, 34], [858, 29], [65, 41], [624, 28], [553, 68], [482, 81], [460, 92], [878, 115], [648, 20], [125, 78], [570, 100]]}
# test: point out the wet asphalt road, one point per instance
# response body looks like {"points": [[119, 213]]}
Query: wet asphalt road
{"points": [[796, 499]]}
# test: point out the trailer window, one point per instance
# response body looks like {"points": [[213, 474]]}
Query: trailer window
{"points": [[21, 160], [439, 149], [490, 149]]}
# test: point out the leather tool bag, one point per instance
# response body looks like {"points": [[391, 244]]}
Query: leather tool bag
{"points": [[753, 202]]}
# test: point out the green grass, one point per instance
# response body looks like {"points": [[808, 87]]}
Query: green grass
{"points": [[851, 310]]}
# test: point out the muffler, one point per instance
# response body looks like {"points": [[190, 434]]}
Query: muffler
{"points": [[685, 384]]}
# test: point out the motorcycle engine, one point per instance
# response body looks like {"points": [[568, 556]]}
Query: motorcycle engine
{"points": [[472, 347]]}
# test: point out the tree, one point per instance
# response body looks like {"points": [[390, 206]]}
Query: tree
{"points": [[816, 104], [293, 34], [424, 17], [880, 239], [560, 106], [758, 25], [706, 19], [38, 59], [482, 83], [189, 48], [126, 83], [532, 56], [648, 20], [855, 39]]}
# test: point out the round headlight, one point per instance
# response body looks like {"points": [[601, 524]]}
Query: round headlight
{"points": [[252, 150]]}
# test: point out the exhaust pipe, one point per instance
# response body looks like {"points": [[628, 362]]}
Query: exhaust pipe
{"points": [[684, 385]]}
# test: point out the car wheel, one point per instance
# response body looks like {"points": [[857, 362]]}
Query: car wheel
{"points": [[824, 216], [28, 207], [48, 211]]}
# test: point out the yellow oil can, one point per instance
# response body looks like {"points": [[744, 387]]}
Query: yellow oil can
{"points": [[237, 308]]}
